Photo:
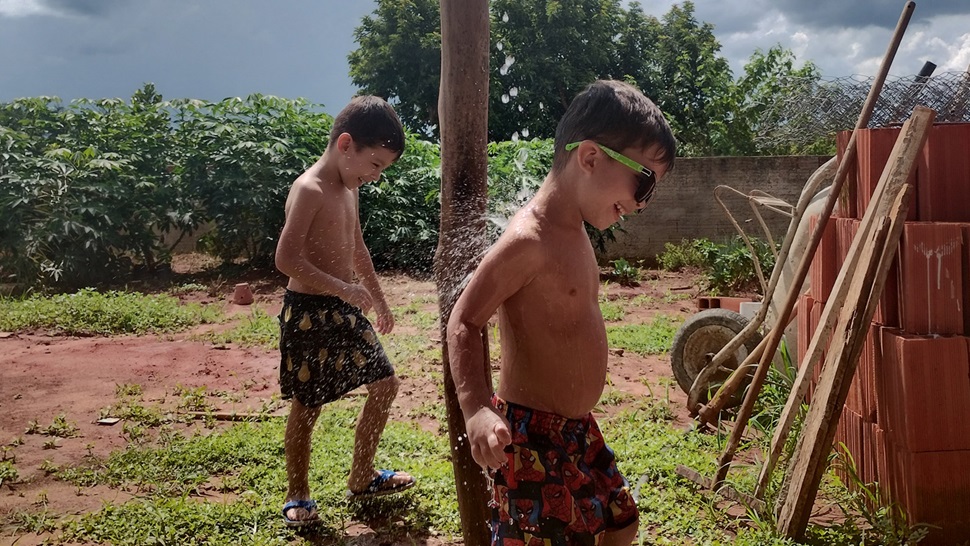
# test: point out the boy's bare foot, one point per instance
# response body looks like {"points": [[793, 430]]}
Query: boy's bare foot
{"points": [[384, 482]]}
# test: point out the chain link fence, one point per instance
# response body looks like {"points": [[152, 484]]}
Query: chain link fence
{"points": [[816, 109]]}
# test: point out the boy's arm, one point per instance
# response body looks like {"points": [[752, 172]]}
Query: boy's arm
{"points": [[506, 268], [364, 268], [291, 260]]}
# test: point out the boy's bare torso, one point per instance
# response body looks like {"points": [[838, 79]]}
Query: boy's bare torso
{"points": [[553, 339], [331, 239]]}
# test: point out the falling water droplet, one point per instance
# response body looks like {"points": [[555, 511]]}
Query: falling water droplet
{"points": [[520, 108], [515, 136], [542, 106], [505, 98], [499, 46], [525, 133], [505, 17], [514, 92]]}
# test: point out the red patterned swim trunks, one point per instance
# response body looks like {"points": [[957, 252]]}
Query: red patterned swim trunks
{"points": [[560, 485]]}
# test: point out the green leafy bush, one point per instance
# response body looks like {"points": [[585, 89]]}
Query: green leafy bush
{"points": [[728, 266], [685, 255], [238, 158], [399, 213]]}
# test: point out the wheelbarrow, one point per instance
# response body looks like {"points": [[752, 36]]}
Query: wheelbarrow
{"points": [[717, 349]]}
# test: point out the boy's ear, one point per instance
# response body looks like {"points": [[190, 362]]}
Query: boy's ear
{"points": [[344, 141], [587, 154]]}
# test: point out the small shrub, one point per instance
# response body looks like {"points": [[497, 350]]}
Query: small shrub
{"points": [[728, 266], [625, 273], [685, 255]]}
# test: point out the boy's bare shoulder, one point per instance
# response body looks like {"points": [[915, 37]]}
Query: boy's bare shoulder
{"points": [[521, 245]]}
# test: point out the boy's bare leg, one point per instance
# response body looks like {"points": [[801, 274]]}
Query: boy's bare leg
{"points": [[621, 537], [370, 426], [299, 429]]}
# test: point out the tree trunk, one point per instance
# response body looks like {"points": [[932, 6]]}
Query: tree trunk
{"points": [[463, 118]]}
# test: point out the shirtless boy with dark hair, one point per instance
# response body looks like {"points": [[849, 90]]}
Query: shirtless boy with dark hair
{"points": [[327, 345], [555, 479]]}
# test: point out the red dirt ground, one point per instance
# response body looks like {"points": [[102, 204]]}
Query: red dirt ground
{"points": [[43, 376]]}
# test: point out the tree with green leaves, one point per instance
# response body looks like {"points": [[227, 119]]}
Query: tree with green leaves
{"points": [[769, 78], [399, 58], [543, 52], [693, 83]]}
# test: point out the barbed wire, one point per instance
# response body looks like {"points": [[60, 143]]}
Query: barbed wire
{"points": [[815, 109]]}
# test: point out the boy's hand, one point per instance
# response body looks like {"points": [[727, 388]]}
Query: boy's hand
{"points": [[488, 434], [385, 320], [358, 296]]}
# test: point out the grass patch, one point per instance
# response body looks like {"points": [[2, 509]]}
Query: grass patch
{"points": [[258, 329], [413, 315], [88, 312], [644, 339], [248, 460], [612, 311]]}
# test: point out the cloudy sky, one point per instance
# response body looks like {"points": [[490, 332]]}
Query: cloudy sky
{"points": [[212, 49]]}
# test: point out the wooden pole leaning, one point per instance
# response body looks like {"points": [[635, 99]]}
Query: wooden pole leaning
{"points": [[875, 253], [827, 321], [774, 336], [463, 115]]}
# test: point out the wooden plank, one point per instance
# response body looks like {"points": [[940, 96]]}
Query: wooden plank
{"points": [[865, 288]]}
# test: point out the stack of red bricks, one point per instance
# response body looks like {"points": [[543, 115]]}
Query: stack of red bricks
{"points": [[906, 420]]}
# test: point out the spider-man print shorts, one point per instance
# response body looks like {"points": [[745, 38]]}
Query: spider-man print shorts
{"points": [[560, 485], [327, 349]]}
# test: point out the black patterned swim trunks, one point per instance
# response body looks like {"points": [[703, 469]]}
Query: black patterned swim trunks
{"points": [[327, 349]]}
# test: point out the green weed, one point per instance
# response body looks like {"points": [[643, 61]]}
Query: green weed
{"points": [[886, 523], [8, 473], [60, 427]]}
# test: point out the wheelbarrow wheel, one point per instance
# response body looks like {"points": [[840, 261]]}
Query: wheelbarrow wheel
{"points": [[698, 340]]}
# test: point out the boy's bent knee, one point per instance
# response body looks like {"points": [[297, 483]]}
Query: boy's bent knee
{"points": [[385, 387]]}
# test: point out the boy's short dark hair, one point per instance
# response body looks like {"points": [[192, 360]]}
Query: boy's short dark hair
{"points": [[616, 115], [372, 122]]}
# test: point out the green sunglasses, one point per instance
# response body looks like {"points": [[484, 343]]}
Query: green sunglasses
{"points": [[646, 179]]}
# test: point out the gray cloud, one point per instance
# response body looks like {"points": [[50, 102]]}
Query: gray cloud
{"points": [[87, 8], [823, 14]]}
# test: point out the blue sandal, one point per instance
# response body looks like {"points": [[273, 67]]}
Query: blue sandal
{"points": [[308, 505], [379, 486]]}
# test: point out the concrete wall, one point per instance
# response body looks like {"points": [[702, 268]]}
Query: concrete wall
{"points": [[684, 207]]}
